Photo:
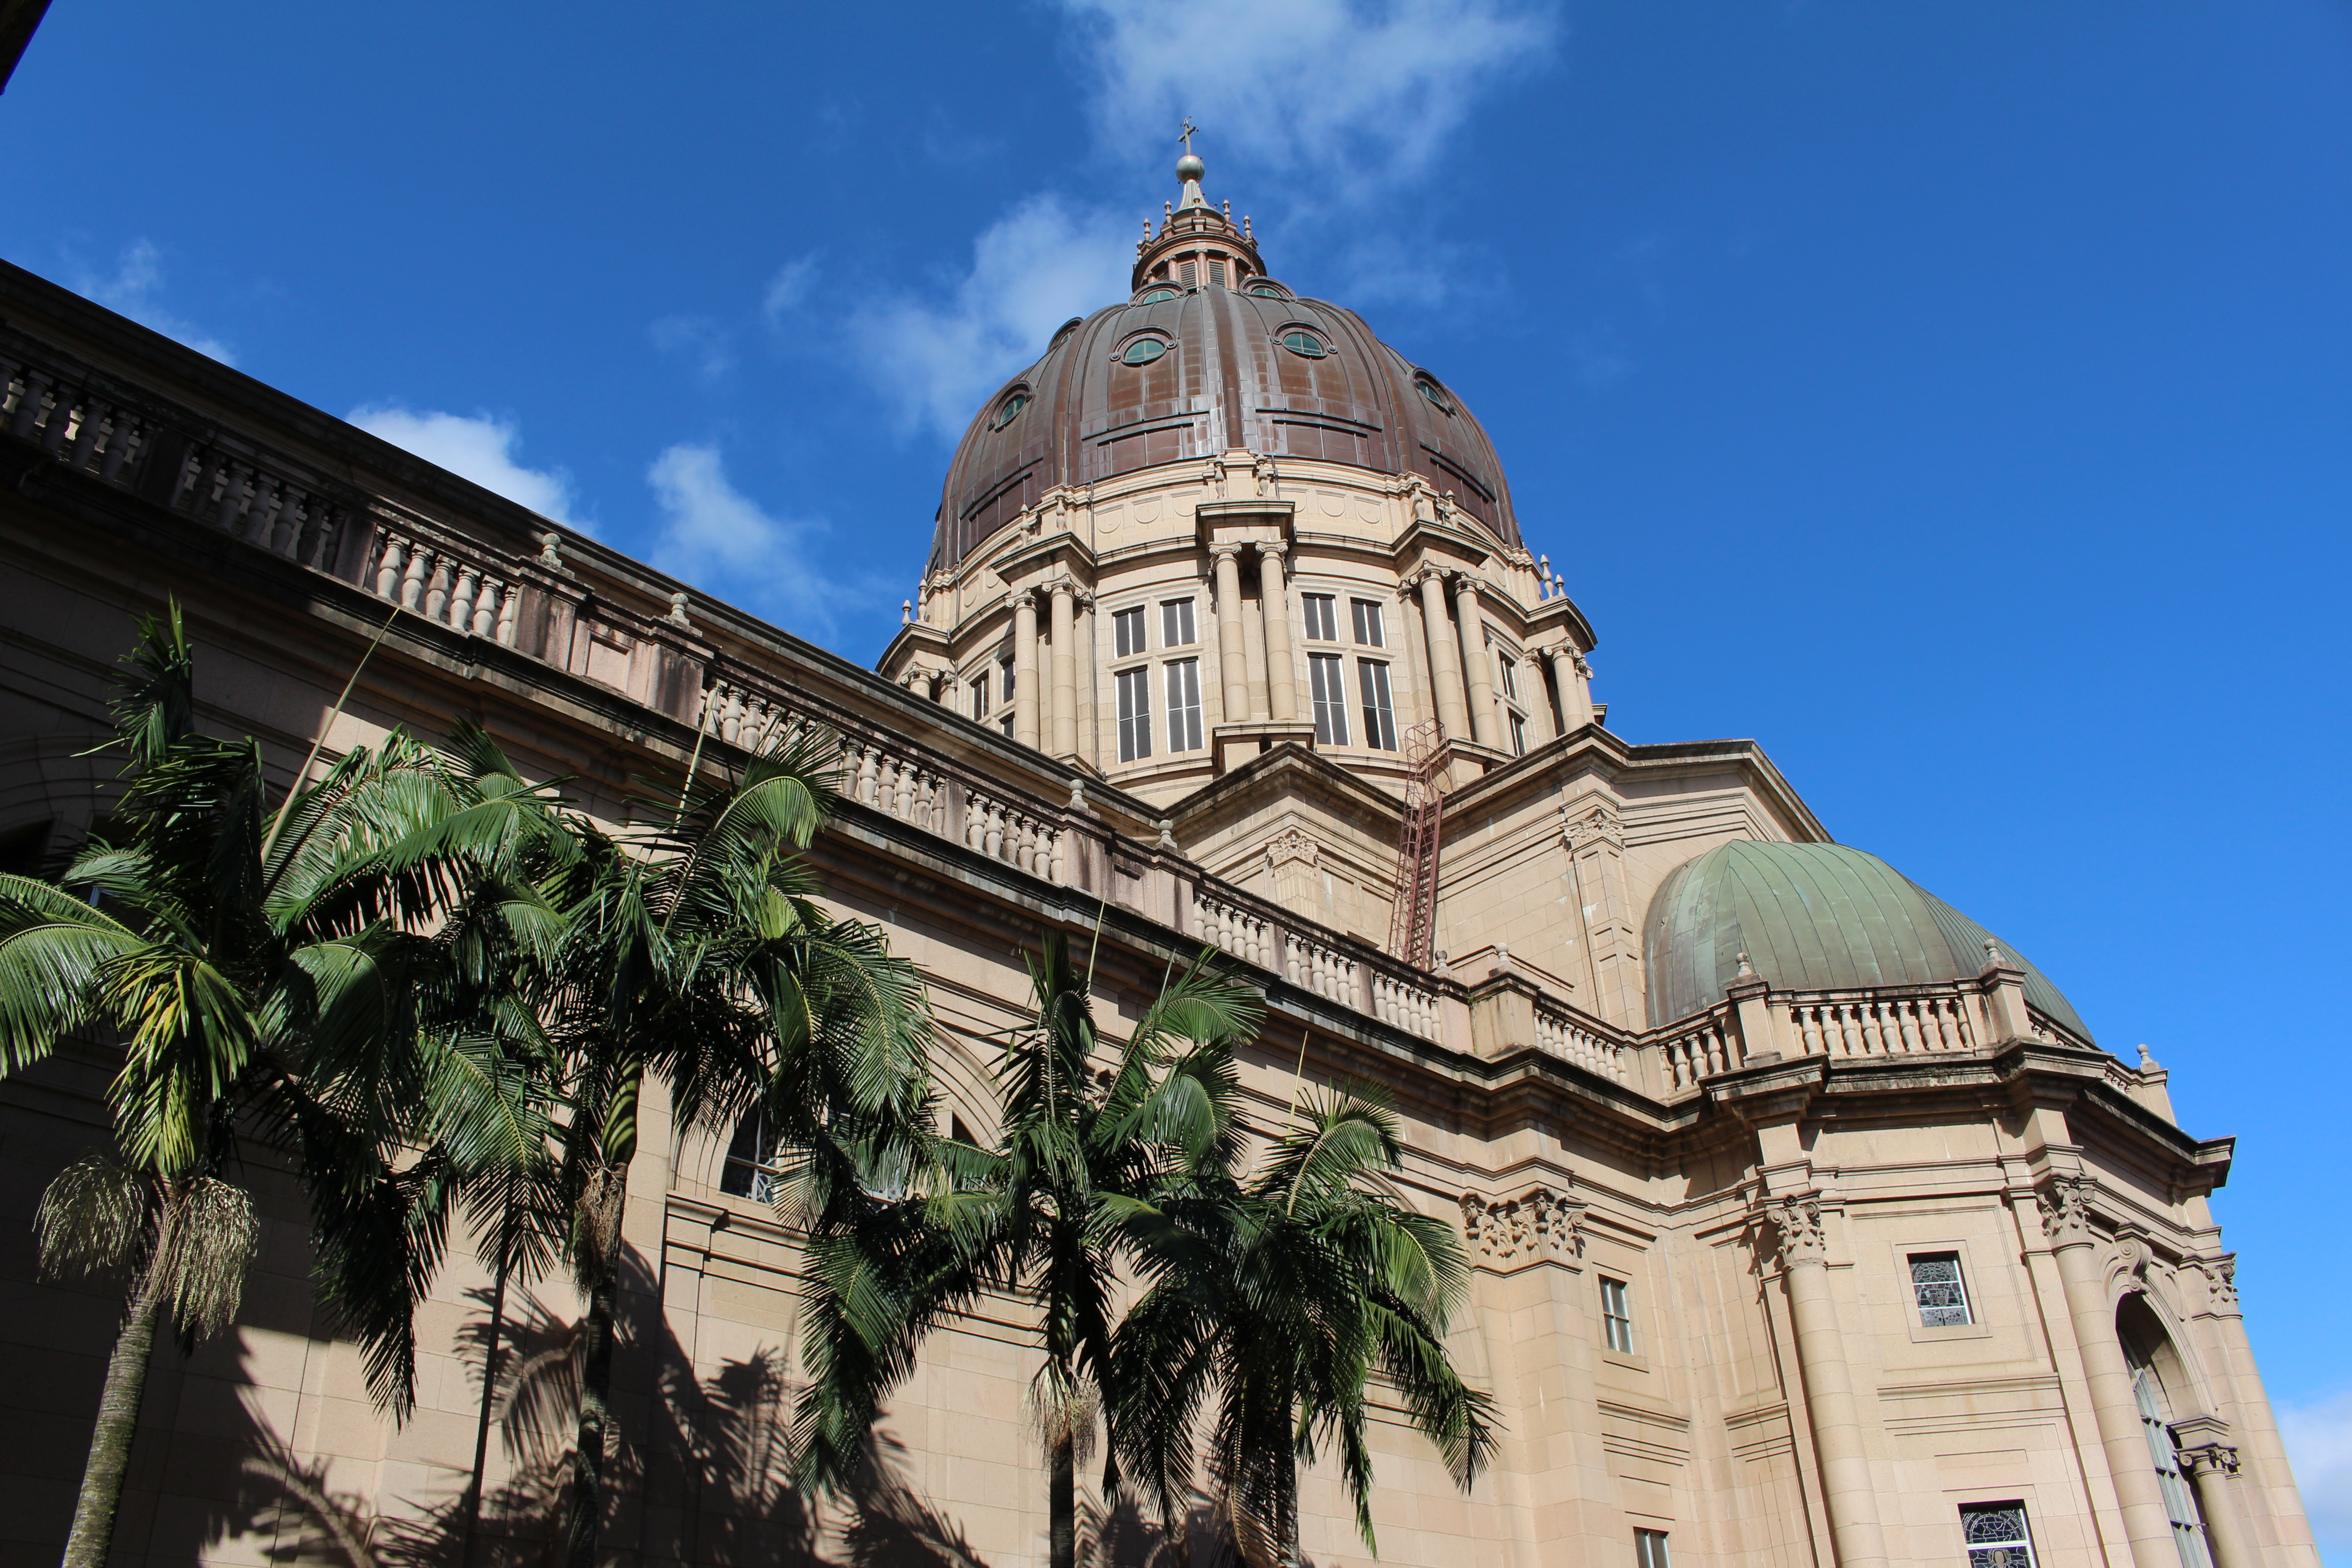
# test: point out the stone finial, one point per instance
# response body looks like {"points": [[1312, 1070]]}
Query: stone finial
{"points": [[677, 615], [1992, 954], [906, 612], [2149, 1063], [1167, 833], [551, 549], [1747, 970], [1079, 793]]}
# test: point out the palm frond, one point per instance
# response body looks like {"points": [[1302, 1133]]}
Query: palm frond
{"points": [[95, 1216]]}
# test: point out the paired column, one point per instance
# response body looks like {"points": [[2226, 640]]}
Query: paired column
{"points": [[2066, 1218], [1575, 694], [2210, 1467], [1066, 668], [1846, 1488], [1444, 656], [1025, 668], [1281, 674], [1233, 657], [1474, 649]]}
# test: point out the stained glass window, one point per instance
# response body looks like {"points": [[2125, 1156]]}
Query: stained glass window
{"points": [[1995, 1535], [1942, 1295]]}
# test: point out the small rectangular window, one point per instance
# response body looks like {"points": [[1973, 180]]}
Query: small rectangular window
{"points": [[1184, 703], [980, 695], [1322, 621], [1509, 666], [1370, 631], [1616, 1318], [1005, 724], [1134, 715], [1996, 1535], [1126, 631], [1330, 693], [1379, 713], [1518, 736], [1176, 624], [1649, 1548], [1942, 1294], [1217, 273], [1004, 678]]}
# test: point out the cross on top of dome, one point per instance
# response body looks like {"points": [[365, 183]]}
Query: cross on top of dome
{"points": [[1193, 223]]}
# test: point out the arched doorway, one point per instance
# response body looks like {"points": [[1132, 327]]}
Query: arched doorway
{"points": [[2160, 1385]]}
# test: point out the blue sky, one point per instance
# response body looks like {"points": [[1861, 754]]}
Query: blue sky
{"points": [[1953, 398]]}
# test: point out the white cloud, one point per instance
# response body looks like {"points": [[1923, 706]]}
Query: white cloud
{"points": [[481, 449], [1033, 269], [138, 278], [1359, 92], [2319, 1443], [788, 288], [714, 535]]}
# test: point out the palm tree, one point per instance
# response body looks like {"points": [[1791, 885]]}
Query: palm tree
{"points": [[1056, 1211], [265, 982], [1269, 1315], [694, 951]]}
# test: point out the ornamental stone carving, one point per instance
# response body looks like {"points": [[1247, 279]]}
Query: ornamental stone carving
{"points": [[2066, 1210], [2209, 1459], [1798, 1222], [1515, 1232], [1589, 820]]}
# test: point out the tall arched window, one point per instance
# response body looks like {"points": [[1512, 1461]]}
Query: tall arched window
{"points": [[750, 1171], [2146, 1348]]}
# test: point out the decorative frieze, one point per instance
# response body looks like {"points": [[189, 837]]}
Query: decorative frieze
{"points": [[1540, 1226]]}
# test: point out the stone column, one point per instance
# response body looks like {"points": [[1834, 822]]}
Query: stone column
{"points": [[1531, 671], [1281, 673], [1444, 656], [1479, 668], [2210, 1466], [1232, 659], [1025, 667], [2066, 1218], [1065, 670], [1575, 696], [1847, 1489]]}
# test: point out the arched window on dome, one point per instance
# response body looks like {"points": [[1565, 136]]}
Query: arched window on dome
{"points": [[1304, 343], [1143, 351], [1156, 296], [1264, 289], [1433, 394], [1009, 409]]}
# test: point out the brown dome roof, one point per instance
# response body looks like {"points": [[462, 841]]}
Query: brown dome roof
{"points": [[1224, 381]]}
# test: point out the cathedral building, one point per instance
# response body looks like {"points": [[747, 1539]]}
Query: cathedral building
{"points": [[1811, 1224]]}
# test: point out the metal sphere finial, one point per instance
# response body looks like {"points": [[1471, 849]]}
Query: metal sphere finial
{"points": [[1190, 167]]}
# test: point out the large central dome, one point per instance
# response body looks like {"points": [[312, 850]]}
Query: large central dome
{"points": [[1209, 356]]}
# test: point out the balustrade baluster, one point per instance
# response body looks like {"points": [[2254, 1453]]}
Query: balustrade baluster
{"points": [[118, 446], [94, 416], [485, 609], [461, 597], [412, 577], [388, 565], [29, 406], [231, 495], [287, 531], [995, 846]]}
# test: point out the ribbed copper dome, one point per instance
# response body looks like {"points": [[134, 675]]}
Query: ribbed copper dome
{"points": [[1224, 381]]}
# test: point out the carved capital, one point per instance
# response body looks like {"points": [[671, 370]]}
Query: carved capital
{"points": [[2209, 1459], [1223, 550], [1024, 599], [1589, 820], [2066, 1210], [1798, 1222], [1511, 1233]]}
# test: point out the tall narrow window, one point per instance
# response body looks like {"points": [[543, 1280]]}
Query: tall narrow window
{"points": [[1176, 624], [1370, 631], [1322, 621], [2180, 1502], [1004, 678], [1616, 1318], [749, 1170], [1649, 1548], [1379, 713], [1937, 1285], [1187, 271], [1134, 714], [1126, 631], [980, 695], [1217, 273], [1184, 703], [1509, 666], [1518, 736], [1330, 698], [1996, 1535]]}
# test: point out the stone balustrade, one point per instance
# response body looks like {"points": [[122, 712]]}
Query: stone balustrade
{"points": [[1403, 1004], [1587, 1042], [1322, 968], [450, 586], [1699, 1047], [1860, 1024], [1230, 928]]}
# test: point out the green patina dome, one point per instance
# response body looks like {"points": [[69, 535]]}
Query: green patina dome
{"points": [[1811, 917]]}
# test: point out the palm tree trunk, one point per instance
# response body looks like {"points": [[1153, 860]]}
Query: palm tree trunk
{"points": [[482, 1429], [118, 1420], [1062, 1499], [595, 1418]]}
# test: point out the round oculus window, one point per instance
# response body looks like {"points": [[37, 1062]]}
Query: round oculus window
{"points": [[1142, 350], [1009, 410], [1304, 343]]}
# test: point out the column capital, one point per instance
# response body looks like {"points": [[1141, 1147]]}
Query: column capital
{"points": [[1223, 549], [2209, 1459], [1023, 598], [2065, 1204], [1274, 547], [1798, 1221]]}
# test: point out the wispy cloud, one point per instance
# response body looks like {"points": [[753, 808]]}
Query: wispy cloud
{"points": [[481, 448], [788, 288], [1042, 263], [1361, 93], [715, 536], [131, 291], [703, 344], [2319, 1443]]}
